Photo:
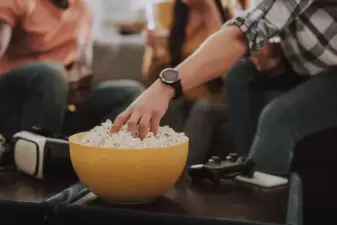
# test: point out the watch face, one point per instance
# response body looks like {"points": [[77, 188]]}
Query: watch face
{"points": [[169, 76]]}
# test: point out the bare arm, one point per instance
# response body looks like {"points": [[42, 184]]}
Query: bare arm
{"points": [[86, 58], [244, 34], [5, 37], [248, 34], [213, 58]]}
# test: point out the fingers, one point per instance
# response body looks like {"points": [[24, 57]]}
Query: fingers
{"points": [[155, 120], [121, 120], [133, 122], [137, 122], [144, 125]]}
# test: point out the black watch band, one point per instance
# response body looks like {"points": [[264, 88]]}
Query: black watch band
{"points": [[178, 89], [171, 78]]}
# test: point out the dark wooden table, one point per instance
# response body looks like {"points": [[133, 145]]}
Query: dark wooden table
{"points": [[231, 200], [17, 187]]}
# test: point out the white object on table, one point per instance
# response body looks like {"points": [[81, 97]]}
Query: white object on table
{"points": [[263, 180]]}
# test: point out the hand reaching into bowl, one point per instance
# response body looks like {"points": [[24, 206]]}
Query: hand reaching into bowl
{"points": [[145, 113], [210, 60]]}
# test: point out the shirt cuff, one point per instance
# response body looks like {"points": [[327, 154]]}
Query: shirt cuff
{"points": [[254, 38]]}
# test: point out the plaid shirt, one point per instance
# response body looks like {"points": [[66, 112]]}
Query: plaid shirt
{"points": [[307, 29]]}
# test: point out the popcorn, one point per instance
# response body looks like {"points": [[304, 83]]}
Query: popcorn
{"points": [[100, 136]]}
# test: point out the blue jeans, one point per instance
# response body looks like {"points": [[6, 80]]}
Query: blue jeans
{"points": [[37, 94], [201, 121], [269, 133]]}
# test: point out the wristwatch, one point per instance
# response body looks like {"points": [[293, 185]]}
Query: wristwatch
{"points": [[171, 78]]}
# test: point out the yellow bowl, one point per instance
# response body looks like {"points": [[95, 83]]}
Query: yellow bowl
{"points": [[127, 175]]}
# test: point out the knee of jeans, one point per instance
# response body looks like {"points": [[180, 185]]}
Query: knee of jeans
{"points": [[202, 106], [208, 107], [51, 75], [242, 73], [277, 115]]}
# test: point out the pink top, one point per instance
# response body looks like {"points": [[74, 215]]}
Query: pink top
{"points": [[42, 32]]}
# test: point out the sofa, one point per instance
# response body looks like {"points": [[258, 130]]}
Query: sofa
{"points": [[118, 57]]}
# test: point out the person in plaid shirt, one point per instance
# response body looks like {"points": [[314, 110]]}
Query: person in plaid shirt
{"points": [[307, 31]]}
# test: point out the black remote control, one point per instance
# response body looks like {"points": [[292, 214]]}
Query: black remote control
{"points": [[217, 168]]}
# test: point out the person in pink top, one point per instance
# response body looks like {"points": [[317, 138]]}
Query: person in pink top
{"points": [[45, 69]]}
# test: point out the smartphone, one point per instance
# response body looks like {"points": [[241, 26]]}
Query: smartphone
{"points": [[263, 180]]}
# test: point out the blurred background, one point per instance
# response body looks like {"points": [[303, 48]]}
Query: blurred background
{"points": [[117, 31], [133, 41], [111, 13]]}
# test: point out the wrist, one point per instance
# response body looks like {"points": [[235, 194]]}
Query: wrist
{"points": [[164, 89]]}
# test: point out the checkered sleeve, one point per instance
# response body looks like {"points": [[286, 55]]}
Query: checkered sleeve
{"points": [[267, 20]]}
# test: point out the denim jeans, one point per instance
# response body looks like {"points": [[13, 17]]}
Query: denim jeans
{"points": [[201, 126], [201, 121], [37, 94], [269, 133]]}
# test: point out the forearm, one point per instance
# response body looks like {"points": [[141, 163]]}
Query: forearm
{"points": [[150, 68], [214, 58], [153, 63], [223, 49], [5, 36], [84, 62]]}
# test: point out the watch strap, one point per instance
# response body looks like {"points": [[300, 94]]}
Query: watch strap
{"points": [[178, 89]]}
